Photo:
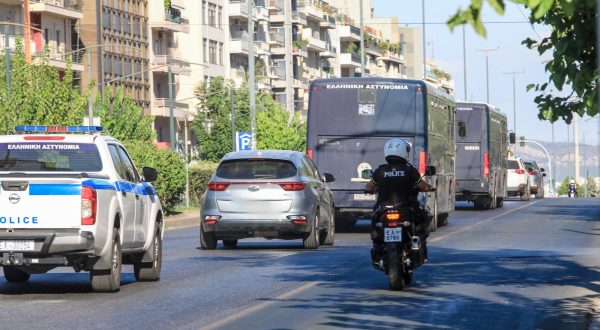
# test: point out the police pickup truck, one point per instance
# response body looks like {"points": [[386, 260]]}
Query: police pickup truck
{"points": [[71, 196]]}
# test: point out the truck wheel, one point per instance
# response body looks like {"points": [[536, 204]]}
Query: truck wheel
{"points": [[109, 280], [13, 274], [499, 202], [208, 241], [312, 240], [150, 270]]}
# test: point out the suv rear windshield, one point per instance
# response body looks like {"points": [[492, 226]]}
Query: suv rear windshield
{"points": [[44, 156], [513, 164], [256, 169]]}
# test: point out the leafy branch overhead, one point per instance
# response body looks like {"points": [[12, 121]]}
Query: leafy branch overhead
{"points": [[572, 43]]}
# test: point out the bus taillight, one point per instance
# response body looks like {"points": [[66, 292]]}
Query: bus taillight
{"points": [[422, 162], [486, 164], [309, 153]]}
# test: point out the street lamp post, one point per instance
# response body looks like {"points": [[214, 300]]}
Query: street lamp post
{"points": [[514, 98], [487, 72]]}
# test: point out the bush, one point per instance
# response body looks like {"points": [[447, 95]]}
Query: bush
{"points": [[200, 174], [170, 183]]}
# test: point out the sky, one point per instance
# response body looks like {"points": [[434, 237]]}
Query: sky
{"points": [[446, 49]]}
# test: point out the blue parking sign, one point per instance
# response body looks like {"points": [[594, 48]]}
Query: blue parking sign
{"points": [[243, 141]]}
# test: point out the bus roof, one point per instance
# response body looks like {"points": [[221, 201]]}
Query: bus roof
{"points": [[433, 89], [490, 107]]}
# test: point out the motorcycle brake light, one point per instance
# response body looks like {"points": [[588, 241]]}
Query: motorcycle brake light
{"points": [[392, 216]]}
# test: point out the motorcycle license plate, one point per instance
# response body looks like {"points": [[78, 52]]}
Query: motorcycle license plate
{"points": [[392, 235]]}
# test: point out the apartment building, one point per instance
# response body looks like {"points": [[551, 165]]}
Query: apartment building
{"points": [[53, 25], [115, 32], [214, 27]]}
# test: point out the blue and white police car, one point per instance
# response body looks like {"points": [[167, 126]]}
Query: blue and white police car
{"points": [[71, 196]]}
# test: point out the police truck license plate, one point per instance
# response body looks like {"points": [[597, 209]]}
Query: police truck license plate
{"points": [[392, 235], [16, 245]]}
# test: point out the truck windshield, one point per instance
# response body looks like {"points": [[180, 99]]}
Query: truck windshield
{"points": [[48, 156]]}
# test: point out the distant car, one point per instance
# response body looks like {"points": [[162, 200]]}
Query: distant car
{"points": [[537, 178], [267, 193], [519, 182]]}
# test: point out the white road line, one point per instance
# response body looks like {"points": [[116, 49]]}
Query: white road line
{"points": [[258, 307], [439, 238]]}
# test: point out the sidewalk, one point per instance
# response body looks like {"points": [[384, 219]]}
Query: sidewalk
{"points": [[182, 220]]}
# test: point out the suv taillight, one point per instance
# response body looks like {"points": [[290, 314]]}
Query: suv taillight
{"points": [[88, 205], [292, 186], [218, 186]]}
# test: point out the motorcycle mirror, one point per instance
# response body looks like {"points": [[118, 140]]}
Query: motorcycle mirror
{"points": [[366, 174], [430, 170]]}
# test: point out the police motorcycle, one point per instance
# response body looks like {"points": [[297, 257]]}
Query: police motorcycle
{"points": [[572, 189], [403, 251]]}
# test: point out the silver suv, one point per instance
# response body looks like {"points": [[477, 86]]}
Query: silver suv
{"points": [[76, 200], [267, 193]]}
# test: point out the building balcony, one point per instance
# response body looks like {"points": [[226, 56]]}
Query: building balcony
{"points": [[60, 61], [261, 14], [299, 18], [314, 44], [392, 57], [313, 12], [237, 8], [328, 22], [349, 33], [172, 21], [161, 63], [276, 5], [62, 8], [349, 60], [11, 2], [159, 107], [329, 52], [299, 51]]}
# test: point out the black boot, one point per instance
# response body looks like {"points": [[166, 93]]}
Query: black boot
{"points": [[377, 257]]}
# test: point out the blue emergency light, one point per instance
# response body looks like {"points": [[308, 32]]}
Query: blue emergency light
{"points": [[58, 129]]}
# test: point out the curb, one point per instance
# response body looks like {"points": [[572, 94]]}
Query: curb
{"points": [[183, 220]]}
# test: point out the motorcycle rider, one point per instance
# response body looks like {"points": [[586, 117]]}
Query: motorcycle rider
{"points": [[573, 188], [395, 182]]}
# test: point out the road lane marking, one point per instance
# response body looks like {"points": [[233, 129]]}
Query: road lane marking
{"points": [[439, 238], [258, 307]]}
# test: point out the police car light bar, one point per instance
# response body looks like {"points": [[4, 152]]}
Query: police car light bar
{"points": [[58, 129]]}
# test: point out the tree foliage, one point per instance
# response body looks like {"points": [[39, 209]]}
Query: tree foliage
{"points": [[38, 95], [573, 65], [212, 124], [123, 119]]}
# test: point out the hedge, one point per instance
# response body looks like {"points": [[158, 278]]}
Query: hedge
{"points": [[170, 183], [200, 174]]}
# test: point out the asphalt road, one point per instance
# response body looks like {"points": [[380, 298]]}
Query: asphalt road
{"points": [[529, 265]]}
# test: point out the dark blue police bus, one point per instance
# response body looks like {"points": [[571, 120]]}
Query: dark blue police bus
{"points": [[349, 121]]}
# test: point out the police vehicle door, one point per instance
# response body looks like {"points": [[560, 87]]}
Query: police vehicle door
{"points": [[141, 201], [125, 195]]}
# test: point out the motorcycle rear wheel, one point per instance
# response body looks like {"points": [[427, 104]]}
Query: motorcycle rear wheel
{"points": [[395, 267]]}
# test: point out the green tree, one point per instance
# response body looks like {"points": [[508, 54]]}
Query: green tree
{"points": [[123, 119], [572, 44], [38, 94], [592, 187], [212, 125]]}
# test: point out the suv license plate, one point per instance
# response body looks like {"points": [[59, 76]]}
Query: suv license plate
{"points": [[14, 245], [392, 235]]}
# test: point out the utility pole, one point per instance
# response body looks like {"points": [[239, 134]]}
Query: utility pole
{"points": [[251, 81], [487, 71], [171, 115], [465, 60], [232, 120], [586, 171], [362, 41], [576, 141], [7, 60], [289, 58], [90, 106], [424, 46], [27, 32], [553, 178], [514, 96]]}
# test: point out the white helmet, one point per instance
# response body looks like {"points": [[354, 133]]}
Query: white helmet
{"points": [[572, 181], [397, 147]]}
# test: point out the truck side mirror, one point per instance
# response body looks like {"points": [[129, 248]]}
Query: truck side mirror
{"points": [[462, 129], [430, 170], [366, 174], [149, 174], [512, 138]]}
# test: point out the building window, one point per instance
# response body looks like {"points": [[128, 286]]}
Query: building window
{"points": [[221, 53], [205, 50], [220, 16], [203, 16], [212, 52], [46, 36], [212, 14]]}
